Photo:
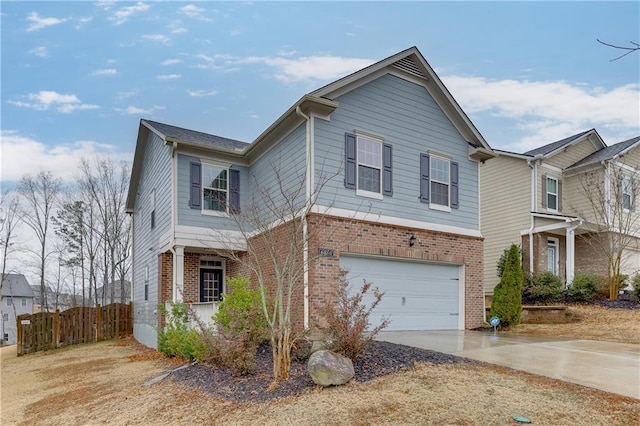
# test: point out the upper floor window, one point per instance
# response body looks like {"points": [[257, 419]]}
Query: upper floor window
{"points": [[153, 208], [627, 192], [214, 188], [438, 182], [552, 193], [368, 165], [24, 301], [5, 317], [8, 301]]}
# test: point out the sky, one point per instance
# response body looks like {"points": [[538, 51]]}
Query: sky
{"points": [[78, 76]]}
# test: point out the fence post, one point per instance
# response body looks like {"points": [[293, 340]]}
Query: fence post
{"points": [[98, 323], [19, 337], [56, 329], [130, 319]]}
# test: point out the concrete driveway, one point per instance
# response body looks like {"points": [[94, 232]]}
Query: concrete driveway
{"points": [[608, 366]]}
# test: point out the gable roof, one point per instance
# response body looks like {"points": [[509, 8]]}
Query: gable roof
{"points": [[16, 285], [412, 64], [171, 133], [609, 153], [555, 146]]}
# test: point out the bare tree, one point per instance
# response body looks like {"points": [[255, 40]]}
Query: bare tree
{"points": [[40, 193], [634, 47], [69, 227], [9, 204], [275, 227], [612, 218]]}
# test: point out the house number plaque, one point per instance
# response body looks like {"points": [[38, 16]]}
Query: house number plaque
{"points": [[325, 252]]}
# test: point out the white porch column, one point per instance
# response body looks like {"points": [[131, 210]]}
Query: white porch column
{"points": [[571, 254], [178, 268]]}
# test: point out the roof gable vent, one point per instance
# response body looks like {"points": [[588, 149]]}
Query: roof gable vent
{"points": [[408, 65]]}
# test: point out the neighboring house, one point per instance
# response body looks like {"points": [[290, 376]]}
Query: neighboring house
{"points": [[401, 204], [17, 299], [538, 200], [121, 292]]}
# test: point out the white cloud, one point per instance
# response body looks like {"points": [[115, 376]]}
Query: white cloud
{"points": [[83, 21], [157, 37], [40, 51], [171, 61], [168, 76], [21, 153], [201, 93], [105, 71], [123, 14], [549, 110], [123, 95], [134, 110], [191, 10], [37, 23], [287, 69], [45, 99]]}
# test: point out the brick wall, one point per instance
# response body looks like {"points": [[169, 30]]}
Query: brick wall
{"points": [[350, 236], [165, 282], [540, 253], [590, 257]]}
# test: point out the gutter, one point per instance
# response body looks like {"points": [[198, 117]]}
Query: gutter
{"points": [[305, 226]]}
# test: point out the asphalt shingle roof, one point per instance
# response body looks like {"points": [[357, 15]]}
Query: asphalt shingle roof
{"points": [[607, 153], [197, 137], [544, 150], [16, 285]]}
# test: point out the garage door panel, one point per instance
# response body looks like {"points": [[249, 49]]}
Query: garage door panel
{"points": [[417, 296]]}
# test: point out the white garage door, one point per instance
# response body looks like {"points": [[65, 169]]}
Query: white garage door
{"points": [[418, 296]]}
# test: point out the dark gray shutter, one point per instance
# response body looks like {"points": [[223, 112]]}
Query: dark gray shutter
{"points": [[234, 191], [559, 195], [350, 161], [424, 178], [544, 191], [387, 174], [195, 179], [454, 185]]}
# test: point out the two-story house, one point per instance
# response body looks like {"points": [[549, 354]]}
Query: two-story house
{"points": [[399, 207], [556, 201], [17, 299]]}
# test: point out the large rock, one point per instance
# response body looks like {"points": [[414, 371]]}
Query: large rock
{"points": [[329, 368]]}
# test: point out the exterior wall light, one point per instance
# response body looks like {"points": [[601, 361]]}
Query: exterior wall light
{"points": [[412, 240]]}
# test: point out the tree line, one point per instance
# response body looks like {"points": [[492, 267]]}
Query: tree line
{"points": [[74, 236]]}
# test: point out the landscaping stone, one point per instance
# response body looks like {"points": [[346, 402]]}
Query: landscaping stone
{"points": [[319, 345], [329, 368]]}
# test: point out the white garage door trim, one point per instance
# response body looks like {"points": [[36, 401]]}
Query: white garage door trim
{"points": [[461, 278]]}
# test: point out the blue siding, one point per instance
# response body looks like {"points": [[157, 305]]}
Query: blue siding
{"points": [[288, 160], [194, 217], [156, 174], [410, 120]]}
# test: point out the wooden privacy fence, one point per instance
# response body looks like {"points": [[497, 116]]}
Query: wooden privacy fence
{"points": [[50, 330]]}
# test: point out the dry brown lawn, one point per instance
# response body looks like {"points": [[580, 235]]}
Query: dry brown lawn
{"points": [[596, 323], [102, 383]]}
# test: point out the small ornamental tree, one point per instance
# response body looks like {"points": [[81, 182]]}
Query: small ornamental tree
{"points": [[507, 296]]}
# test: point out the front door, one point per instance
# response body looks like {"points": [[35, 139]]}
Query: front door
{"points": [[210, 285]]}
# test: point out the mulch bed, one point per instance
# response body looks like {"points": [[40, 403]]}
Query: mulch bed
{"points": [[379, 359]]}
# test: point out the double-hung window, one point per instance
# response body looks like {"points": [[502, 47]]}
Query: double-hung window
{"points": [[439, 182], [626, 192], [552, 193], [369, 166], [214, 188]]}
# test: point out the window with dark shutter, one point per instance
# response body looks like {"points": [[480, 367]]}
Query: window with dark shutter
{"points": [[350, 161], [234, 191], [454, 185], [195, 177], [387, 173], [424, 178]]}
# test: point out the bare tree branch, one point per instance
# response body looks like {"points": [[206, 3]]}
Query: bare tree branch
{"points": [[630, 49]]}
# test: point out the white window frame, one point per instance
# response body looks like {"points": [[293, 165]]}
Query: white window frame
{"points": [[204, 210], [552, 193], [437, 206], [8, 301], [379, 141], [555, 243], [24, 301], [222, 266], [626, 185]]}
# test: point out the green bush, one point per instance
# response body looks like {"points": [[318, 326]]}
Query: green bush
{"points": [[507, 296], [178, 339], [584, 287], [543, 287], [348, 319], [503, 259], [241, 327], [636, 287]]}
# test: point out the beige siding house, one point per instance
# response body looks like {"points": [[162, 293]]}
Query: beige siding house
{"points": [[555, 200]]}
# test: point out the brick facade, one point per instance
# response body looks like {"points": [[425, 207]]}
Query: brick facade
{"points": [[540, 253], [380, 240]]}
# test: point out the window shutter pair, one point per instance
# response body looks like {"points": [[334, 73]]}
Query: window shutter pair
{"points": [[195, 180], [351, 165], [425, 185]]}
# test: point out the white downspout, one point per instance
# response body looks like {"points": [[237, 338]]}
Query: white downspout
{"points": [[305, 230]]}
